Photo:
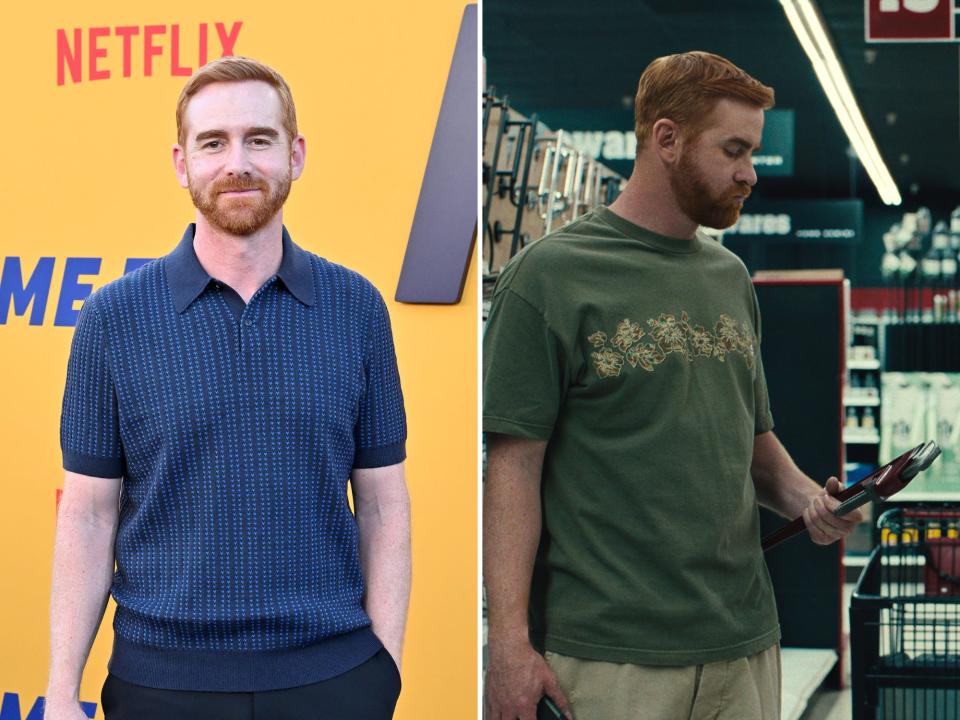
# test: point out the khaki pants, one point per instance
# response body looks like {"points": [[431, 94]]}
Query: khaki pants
{"points": [[743, 689]]}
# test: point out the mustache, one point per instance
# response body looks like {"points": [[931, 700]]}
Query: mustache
{"points": [[236, 185]]}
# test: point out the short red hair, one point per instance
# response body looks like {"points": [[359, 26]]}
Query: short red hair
{"points": [[234, 68], [686, 87]]}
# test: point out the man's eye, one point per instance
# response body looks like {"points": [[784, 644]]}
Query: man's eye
{"points": [[260, 142], [211, 145], [734, 152]]}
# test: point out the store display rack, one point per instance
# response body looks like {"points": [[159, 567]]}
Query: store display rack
{"points": [[535, 180]]}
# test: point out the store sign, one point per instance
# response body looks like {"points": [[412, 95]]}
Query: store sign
{"points": [[605, 144], [909, 20], [620, 146], [802, 221], [775, 156]]}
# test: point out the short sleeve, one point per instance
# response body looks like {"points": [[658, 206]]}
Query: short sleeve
{"points": [[523, 377], [89, 423], [762, 417], [381, 431]]}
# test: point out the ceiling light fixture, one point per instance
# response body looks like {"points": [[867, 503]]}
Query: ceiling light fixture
{"points": [[810, 31]]}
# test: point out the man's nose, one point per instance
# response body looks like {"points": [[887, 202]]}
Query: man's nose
{"points": [[238, 159], [746, 173]]}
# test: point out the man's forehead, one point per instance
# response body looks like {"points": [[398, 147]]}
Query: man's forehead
{"points": [[230, 105], [731, 118]]}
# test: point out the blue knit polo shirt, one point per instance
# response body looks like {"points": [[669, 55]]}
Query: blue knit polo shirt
{"points": [[235, 428]]}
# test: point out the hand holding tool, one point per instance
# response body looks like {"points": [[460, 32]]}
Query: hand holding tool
{"points": [[881, 484]]}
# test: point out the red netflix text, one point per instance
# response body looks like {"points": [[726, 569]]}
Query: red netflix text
{"points": [[147, 44]]}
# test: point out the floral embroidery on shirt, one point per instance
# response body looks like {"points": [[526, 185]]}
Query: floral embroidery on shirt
{"points": [[670, 335], [608, 362], [646, 356], [598, 339], [627, 334], [727, 336], [702, 342]]}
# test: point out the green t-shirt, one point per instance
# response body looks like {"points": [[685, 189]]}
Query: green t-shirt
{"points": [[637, 356]]}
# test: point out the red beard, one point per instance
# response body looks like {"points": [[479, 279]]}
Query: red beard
{"points": [[240, 215], [696, 201]]}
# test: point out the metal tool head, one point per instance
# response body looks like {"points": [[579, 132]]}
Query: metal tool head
{"points": [[897, 474], [920, 461]]}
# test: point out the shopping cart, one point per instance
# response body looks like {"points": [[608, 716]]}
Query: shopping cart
{"points": [[905, 619]]}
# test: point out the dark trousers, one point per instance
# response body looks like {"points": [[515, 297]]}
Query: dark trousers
{"points": [[367, 692]]}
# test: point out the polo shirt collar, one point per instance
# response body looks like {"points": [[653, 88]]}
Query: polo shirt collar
{"points": [[296, 271], [187, 278]]}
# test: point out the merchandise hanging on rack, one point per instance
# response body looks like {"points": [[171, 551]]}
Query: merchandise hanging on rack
{"points": [[518, 152]]}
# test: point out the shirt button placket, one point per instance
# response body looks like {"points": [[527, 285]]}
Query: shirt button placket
{"points": [[246, 327], [247, 322], [247, 319]]}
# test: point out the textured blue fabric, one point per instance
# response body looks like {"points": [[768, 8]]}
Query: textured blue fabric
{"points": [[235, 437]]}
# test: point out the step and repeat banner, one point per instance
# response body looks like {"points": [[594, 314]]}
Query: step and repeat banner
{"points": [[89, 192]]}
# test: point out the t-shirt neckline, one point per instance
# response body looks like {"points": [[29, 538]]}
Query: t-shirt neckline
{"points": [[655, 241]]}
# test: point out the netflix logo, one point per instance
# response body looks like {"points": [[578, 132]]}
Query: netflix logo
{"points": [[99, 53]]}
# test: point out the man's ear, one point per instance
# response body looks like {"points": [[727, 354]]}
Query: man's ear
{"points": [[180, 165], [665, 139], [298, 156]]}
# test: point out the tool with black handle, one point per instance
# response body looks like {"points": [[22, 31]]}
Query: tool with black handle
{"points": [[882, 483], [547, 710]]}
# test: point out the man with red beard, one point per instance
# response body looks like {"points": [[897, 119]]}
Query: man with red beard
{"points": [[629, 437], [218, 401]]}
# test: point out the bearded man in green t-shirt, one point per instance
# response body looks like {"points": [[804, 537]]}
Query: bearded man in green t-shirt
{"points": [[630, 440]]}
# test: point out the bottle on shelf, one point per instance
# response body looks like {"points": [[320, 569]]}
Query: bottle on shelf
{"points": [[853, 421], [890, 264], [907, 263], [940, 246], [955, 228], [948, 259], [869, 421], [924, 225], [908, 267], [930, 264], [907, 236]]}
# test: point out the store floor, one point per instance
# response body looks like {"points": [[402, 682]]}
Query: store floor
{"points": [[828, 704]]}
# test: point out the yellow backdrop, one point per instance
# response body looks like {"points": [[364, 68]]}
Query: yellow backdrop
{"points": [[87, 174]]}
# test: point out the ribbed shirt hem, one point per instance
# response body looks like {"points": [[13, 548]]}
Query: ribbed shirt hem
{"points": [[380, 456], [91, 465], [233, 671]]}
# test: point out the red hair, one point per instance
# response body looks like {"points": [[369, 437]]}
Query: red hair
{"points": [[234, 68], [686, 87]]}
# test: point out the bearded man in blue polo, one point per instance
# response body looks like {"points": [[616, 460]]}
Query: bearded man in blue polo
{"points": [[218, 401]]}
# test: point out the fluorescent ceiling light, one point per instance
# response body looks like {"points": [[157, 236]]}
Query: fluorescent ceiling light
{"points": [[809, 29]]}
